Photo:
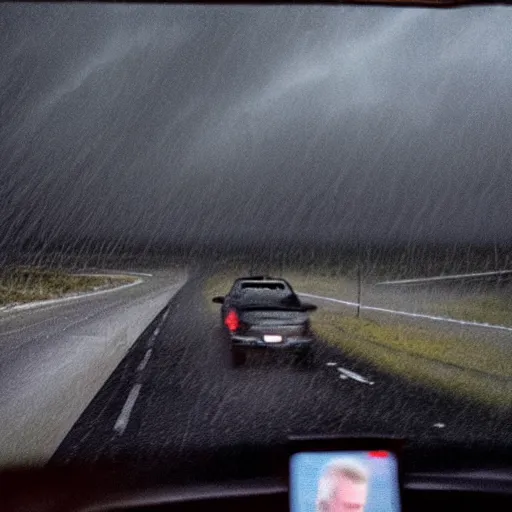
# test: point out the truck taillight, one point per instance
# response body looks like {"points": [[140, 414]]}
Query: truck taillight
{"points": [[232, 322]]}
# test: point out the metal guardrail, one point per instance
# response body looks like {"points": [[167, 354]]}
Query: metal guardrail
{"points": [[454, 277]]}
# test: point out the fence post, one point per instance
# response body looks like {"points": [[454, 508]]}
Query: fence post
{"points": [[359, 279]]}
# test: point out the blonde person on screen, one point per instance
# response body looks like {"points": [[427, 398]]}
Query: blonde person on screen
{"points": [[343, 487]]}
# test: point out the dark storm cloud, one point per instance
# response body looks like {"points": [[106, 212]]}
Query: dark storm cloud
{"points": [[204, 124]]}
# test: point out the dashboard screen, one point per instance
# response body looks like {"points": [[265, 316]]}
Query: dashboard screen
{"points": [[344, 481]]}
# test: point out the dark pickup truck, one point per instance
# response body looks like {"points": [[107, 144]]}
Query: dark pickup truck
{"points": [[265, 313]]}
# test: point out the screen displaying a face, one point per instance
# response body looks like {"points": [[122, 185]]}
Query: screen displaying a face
{"points": [[344, 482]]}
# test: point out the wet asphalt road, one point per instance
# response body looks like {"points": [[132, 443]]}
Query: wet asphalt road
{"points": [[54, 358], [193, 417]]}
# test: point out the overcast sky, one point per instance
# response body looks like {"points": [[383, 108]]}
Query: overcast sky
{"points": [[255, 123]]}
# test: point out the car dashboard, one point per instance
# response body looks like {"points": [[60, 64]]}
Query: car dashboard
{"points": [[48, 491]]}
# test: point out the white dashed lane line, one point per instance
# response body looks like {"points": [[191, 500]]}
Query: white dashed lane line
{"points": [[349, 374], [355, 376], [154, 336], [124, 417], [144, 362]]}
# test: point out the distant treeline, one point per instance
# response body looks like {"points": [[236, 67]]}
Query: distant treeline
{"points": [[380, 261]]}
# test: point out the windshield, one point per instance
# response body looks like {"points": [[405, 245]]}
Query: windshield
{"points": [[152, 155]]}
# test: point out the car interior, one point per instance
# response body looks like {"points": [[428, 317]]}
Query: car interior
{"points": [[483, 487]]}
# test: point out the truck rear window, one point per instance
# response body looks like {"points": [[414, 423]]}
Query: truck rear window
{"points": [[264, 286]]}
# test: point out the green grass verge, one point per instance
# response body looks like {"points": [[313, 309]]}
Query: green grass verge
{"points": [[478, 371], [495, 310], [28, 284]]}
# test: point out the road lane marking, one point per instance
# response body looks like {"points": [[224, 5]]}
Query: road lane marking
{"points": [[331, 363], [165, 316], [144, 274], [39, 303], [124, 417], [412, 315], [144, 362], [156, 332], [355, 376]]}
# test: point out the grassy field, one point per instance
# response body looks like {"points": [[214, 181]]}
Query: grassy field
{"points": [[478, 370], [28, 284], [493, 309]]}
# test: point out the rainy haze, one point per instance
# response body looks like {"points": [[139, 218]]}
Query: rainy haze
{"points": [[363, 154]]}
